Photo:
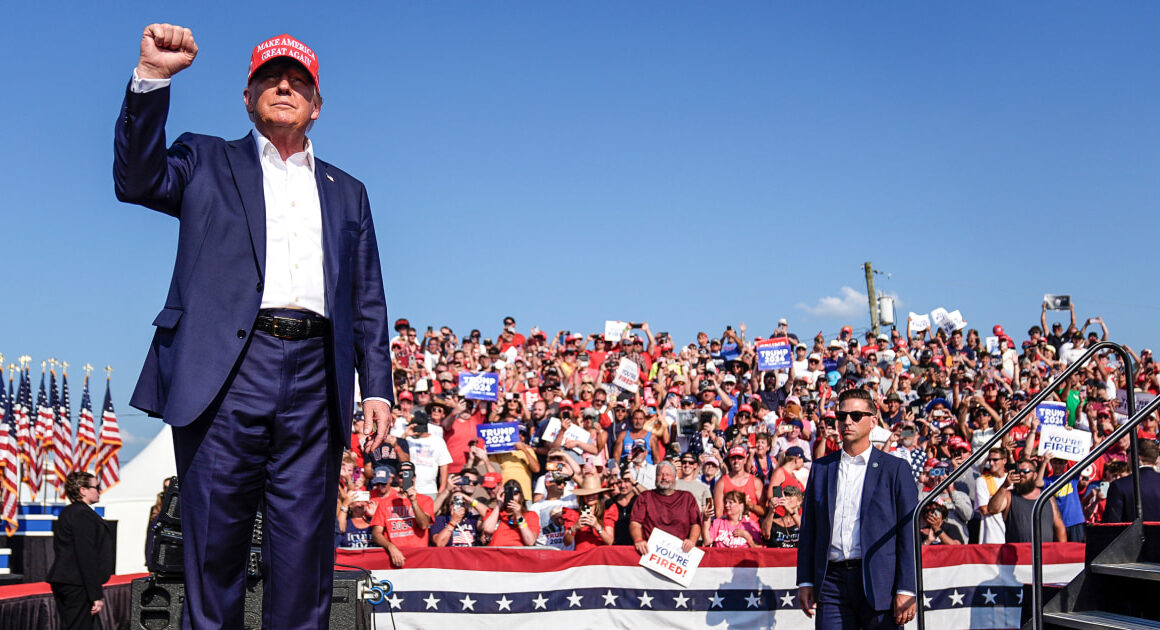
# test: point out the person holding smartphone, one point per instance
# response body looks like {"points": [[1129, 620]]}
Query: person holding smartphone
{"points": [[509, 523], [401, 517]]}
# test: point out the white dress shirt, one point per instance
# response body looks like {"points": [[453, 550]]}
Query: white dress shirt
{"points": [[846, 528], [293, 229]]}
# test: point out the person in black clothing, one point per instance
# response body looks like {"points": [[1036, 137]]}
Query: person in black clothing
{"points": [[624, 498], [83, 547], [1121, 504], [1015, 500]]}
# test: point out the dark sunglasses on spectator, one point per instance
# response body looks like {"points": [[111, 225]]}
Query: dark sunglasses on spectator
{"points": [[856, 416], [1026, 471]]}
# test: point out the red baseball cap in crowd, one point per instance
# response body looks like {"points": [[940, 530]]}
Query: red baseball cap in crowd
{"points": [[284, 46], [407, 396], [566, 403], [402, 321], [737, 451], [998, 330], [745, 407], [957, 442]]}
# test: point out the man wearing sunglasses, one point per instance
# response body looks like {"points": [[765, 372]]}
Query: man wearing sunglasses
{"points": [[1015, 500], [855, 551]]}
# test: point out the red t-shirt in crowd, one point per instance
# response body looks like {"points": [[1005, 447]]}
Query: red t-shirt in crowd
{"points": [[395, 516], [674, 514], [587, 538], [457, 437], [509, 535]]}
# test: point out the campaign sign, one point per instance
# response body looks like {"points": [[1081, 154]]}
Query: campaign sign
{"points": [[627, 375], [665, 557], [1065, 443], [500, 437], [919, 323], [615, 330], [1051, 414], [479, 385], [774, 354]]}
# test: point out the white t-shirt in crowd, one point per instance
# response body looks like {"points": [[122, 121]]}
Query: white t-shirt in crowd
{"points": [[428, 454]]}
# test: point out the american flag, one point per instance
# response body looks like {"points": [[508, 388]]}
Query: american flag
{"points": [[108, 463], [967, 586], [9, 456], [42, 438], [86, 444], [62, 439], [25, 431]]}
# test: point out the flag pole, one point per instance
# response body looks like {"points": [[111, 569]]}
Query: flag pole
{"points": [[24, 361]]}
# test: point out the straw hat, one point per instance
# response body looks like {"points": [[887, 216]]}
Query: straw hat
{"points": [[590, 485]]}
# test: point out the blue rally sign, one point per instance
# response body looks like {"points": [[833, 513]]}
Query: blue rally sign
{"points": [[479, 385], [1051, 414], [500, 437], [774, 354]]}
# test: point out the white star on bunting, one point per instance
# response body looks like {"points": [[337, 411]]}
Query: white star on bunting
{"points": [[468, 602], [396, 602], [645, 599], [787, 600], [957, 598], [715, 601], [681, 601], [989, 597], [540, 602], [432, 601], [752, 601], [574, 600], [609, 598], [504, 603], [925, 601]]}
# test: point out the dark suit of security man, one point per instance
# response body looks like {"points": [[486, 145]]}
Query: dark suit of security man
{"points": [[82, 545]]}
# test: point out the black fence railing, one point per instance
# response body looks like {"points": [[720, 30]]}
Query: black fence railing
{"points": [[1126, 429], [981, 452]]}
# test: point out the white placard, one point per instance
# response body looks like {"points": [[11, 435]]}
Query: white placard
{"points": [[665, 557], [1064, 443], [614, 330], [919, 323], [574, 432], [627, 375], [992, 344]]}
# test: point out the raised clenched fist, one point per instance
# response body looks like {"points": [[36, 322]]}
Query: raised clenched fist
{"points": [[165, 50]]}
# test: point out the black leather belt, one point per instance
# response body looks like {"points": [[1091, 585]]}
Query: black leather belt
{"points": [[283, 327], [846, 565]]}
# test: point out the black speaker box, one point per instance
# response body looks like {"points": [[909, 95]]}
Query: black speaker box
{"points": [[156, 604]]}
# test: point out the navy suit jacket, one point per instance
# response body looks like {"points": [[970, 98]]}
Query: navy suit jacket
{"points": [[1121, 504], [214, 188], [889, 496], [82, 544]]}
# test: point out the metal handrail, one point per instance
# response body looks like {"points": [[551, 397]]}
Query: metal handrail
{"points": [[1128, 428], [981, 452]]}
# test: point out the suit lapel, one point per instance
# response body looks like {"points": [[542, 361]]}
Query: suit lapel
{"points": [[247, 172], [331, 225], [873, 476], [832, 488]]}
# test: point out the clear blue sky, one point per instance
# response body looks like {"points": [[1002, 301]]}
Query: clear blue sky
{"points": [[694, 164]]}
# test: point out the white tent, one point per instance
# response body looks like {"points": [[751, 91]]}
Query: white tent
{"points": [[130, 500]]}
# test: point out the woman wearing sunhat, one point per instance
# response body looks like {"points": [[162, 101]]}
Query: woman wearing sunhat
{"points": [[593, 524]]}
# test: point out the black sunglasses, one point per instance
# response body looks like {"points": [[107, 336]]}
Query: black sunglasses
{"points": [[855, 415]]}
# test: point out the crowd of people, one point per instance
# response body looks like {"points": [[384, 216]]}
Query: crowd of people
{"points": [[715, 451]]}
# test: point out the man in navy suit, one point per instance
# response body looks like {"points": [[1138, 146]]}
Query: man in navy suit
{"points": [[1121, 504], [276, 300], [855, 554]]}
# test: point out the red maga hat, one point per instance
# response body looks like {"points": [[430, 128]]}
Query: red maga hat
{"points": [[284, 46]]}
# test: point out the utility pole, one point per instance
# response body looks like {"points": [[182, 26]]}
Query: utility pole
{"points": [[871, 296]]}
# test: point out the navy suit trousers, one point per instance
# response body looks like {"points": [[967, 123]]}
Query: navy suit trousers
{"points": [[842, 602], [271, 438]]}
